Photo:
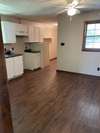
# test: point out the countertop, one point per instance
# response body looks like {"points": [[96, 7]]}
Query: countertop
{"points": [[13, 55], [32, 51]]}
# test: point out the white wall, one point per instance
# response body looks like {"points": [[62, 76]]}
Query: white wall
{"points": [[19, 46], [54, 43], [71, 57]]}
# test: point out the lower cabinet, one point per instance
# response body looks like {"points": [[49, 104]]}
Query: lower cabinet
{"points": [[9, 67], [31, 61], [14, 67]]}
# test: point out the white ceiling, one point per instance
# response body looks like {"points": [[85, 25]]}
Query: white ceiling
{"points": [[39, 7], [31, 7]]}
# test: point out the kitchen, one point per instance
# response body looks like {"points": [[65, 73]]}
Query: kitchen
{"points": [[28, 45]]}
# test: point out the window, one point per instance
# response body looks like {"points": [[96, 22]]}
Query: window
{"points": [[91, 41]]}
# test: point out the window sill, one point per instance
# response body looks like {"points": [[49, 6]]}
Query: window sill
{"points": [[90, 50]]}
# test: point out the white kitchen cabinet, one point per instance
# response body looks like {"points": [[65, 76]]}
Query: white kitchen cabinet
{"points": [[9, 67], [18, 65], [14, 67], [8, 32], [31, 61], [46, 32], [34, 34], [21, 30], [36, 60]]}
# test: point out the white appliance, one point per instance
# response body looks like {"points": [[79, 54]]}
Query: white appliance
{"points": [[31, 60]]}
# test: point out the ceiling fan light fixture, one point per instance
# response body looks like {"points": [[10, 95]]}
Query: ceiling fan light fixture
{"points": [[72, 11], [75, 2]]}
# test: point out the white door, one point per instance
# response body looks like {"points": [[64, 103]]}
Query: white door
{"points": [[9, 67]]}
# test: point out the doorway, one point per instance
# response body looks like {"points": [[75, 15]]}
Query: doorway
{"points": [[48, 41]]}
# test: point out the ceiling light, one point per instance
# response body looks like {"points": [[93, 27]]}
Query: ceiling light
{"points": [[75, 2], [72, 11]]}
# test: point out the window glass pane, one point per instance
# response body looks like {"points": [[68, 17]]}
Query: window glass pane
{"points": [[97, 32], [91, 26], [89, 45], [93, 45], [97, 39], [91, 32], [90, 39], [96, 45], [98, 26], [93, 42]]}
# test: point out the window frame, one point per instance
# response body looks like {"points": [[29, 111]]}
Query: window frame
{"points": [[84, 37]]}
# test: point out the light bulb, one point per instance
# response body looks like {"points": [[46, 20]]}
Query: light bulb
{"points": [[72, 11]]}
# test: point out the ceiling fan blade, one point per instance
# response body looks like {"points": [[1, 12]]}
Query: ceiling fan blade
{"points": [[75, 3], [60, 12], [88, 6], [70, 5]]}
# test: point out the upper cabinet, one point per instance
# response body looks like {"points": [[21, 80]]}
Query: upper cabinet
{"points": [[8, 32], [46, 32], [21, 30], [33, 34], [32, 31]]}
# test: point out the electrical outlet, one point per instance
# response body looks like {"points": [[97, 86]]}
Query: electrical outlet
{"points": [[98, 68]]}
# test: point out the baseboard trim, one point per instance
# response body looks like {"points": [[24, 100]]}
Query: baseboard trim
{"points": [[16, 77], [81, 74]]}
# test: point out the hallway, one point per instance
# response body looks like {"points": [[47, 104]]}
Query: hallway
{"points": [[46, 101]]}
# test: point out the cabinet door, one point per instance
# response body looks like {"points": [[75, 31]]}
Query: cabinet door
{"points": [[9, 67], [18, 66], [37, 34], [29, 61], [34, 34], [31, 37], [8, 32], [36, 60], [21, 30], [46, 32]]}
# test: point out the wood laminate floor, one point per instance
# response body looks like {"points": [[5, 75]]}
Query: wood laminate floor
{"points": [[46, 101]]}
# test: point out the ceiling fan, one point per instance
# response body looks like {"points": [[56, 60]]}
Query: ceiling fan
{"points": [[71, 8]]}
